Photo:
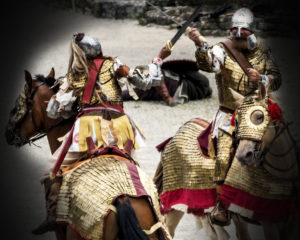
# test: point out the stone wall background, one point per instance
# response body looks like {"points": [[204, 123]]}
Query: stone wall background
{"points": [[273, 18]]}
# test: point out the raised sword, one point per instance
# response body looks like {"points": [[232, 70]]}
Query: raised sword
{"points": [[183, 29]]}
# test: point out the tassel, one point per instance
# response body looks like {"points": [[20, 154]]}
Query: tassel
{"points": [[232, 122], [274, 110]]}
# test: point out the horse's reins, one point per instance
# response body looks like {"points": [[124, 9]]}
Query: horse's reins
{"points": [[259, 155]]}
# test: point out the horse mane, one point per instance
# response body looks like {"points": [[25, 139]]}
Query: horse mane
{"points": [[48, 80]]}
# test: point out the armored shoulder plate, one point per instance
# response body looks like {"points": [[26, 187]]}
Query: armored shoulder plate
{"points": [[110, 89]]}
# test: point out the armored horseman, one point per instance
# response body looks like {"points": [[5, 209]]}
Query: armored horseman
{"points": [[93, 85], [240, 62]]}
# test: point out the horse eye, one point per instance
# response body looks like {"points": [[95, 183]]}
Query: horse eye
{"points": [[257, 117]]}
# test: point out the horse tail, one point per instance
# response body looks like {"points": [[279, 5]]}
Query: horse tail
{"points": [[129, 228]]}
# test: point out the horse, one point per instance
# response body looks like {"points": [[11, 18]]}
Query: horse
{"points": [[134, 216], [184, 179], [184, 176], [267, 150]]}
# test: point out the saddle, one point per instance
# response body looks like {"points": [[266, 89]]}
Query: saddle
{"points": [[93, 152]]}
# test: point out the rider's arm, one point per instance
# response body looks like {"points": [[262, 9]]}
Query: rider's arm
{"points": [[142, 77], [209, 59], [60, 104]]}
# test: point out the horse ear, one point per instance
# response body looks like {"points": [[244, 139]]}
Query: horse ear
{"points": [[239, 98], [28, 80], [28, 77], [262, 92], [51, 73]]}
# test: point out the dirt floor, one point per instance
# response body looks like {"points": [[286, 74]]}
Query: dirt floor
{"points": [[134, 45]]}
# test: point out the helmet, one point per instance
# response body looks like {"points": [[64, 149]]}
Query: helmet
{"points": [[243, 18], [88, 44]]}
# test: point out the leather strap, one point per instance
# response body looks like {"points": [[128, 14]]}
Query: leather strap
{"points": [[238, 55], [93, 74], [153, 228], [62, 154]]}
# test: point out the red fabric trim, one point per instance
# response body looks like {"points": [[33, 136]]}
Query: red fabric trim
{"points": [[105, 104], [196, 200], [263, 208], [140, 190], [203, 139], [160, 147], [232, 122], [89, 87], [128, 146], [63, 152], [112, 150], [92, 148]]}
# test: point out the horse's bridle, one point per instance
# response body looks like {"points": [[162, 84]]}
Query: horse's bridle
{"points": [[41, 133], [259, 153]]}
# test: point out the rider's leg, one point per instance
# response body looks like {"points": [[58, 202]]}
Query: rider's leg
{"points": [[51, 193], [241, 227], [223, 161], [52, 188]]}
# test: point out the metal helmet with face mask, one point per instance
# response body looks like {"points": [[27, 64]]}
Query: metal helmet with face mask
{"points": [[244, 18], [88, 44]]}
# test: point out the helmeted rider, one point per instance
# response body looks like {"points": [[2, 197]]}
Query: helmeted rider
{"points": [[239, 62], [94, 82]]}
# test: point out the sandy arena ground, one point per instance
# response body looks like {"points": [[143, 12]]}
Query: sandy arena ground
{"points": [[134, 45]]}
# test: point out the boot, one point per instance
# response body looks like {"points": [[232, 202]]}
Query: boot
{"points": [[165, 95], [52, 188], [219, 215]]}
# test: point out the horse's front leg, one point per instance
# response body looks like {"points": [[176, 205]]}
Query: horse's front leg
{"points": [[213, 231], [145, 216], [241, 227], [72, 234], [203, 222], [111, 227], [60, 232], [172, 220]]}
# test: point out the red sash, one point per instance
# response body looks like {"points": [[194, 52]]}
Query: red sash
{"points": [[88, 90]]}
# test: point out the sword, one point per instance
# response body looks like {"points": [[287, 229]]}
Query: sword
{"points": [[183, 28]]}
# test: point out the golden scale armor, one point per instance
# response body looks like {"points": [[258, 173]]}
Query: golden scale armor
{"points": [[110, 89], [85, 199], [246, 128], [262, 61], [109, 128]]}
